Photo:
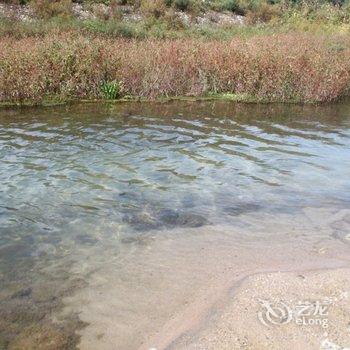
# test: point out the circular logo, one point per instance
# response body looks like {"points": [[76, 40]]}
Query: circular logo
{"points": [[274, 314]]}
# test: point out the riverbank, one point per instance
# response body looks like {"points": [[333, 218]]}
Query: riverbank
{"points": [[294, 67]]}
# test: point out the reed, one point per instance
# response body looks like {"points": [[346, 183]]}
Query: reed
{"points": [[284, 67]]}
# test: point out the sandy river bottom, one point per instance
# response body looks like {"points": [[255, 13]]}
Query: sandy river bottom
{"points": [[203, 288]]}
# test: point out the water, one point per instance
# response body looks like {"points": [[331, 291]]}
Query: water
{"points": [[85, 186]]}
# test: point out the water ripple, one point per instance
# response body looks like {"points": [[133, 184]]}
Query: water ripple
{"points": [[129, 163]]}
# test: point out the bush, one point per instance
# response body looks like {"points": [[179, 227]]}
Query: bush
{"points": [[111, 90], [47, 8], [153, 8], [290, 67], [328, 13], [262, 12], [226, 5], [16, 2], [112, 28], [173, 20], [182, 5]]}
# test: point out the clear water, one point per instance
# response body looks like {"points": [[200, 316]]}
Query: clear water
{"points": [[82, 176]]}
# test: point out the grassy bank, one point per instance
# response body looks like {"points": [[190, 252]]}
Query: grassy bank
{"points": [[286, 51], [282, 67]]}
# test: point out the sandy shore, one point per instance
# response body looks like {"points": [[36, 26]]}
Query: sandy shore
{"points": [[202, 288], [320, 301]]}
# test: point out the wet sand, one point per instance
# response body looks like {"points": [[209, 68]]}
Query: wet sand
{"points": [[199, 288], [238, 327]]}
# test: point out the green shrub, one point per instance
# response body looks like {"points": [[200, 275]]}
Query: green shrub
{"points": [[225, 5], [182, 5], [111, 90], [264, 12], [47, 9], [173, 21], [16, 2], [153, 8], [112, 28]]}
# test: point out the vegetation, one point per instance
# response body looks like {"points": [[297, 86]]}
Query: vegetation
{"points": [[292, 67], [255, 10], [111, 90], [287, 51]]}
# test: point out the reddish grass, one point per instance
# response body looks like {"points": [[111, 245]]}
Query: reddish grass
{"points": [[291, 67]]}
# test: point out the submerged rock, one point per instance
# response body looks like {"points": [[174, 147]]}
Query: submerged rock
{"points": [[242, 208], [343, 236], [173, 218], [341, 228], [192, 220], [168, 216], [141, 221], [26, 315], [10, 252], [144, 221], [23, 293], [86, 239], [136, 239]]}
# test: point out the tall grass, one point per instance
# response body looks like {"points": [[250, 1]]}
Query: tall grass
{"points": [[283, 67]]}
